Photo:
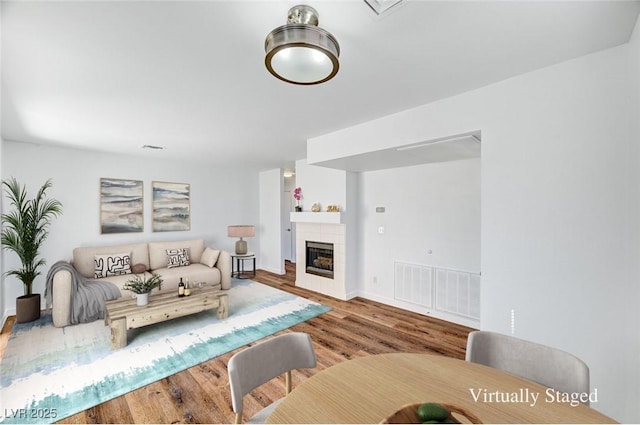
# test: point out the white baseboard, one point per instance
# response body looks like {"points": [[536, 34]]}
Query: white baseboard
{"points": [[352, 294], [7, 313], [270, 270], [4, 320], [421, 310]]}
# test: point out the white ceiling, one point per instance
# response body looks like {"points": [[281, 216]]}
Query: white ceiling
{"points": [[190, 75]]}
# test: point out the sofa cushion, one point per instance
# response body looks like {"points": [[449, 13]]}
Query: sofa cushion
{"points": [[84, 258], [177, 257], [158, 253], [209, 257], [111, 264]]}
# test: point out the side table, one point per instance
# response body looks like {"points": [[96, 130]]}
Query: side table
{"points": [[238, 266]]}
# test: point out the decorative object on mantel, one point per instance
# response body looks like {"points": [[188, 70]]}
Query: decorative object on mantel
{"points": [[297, 195], [171, 206], [333, 208], [316, 208], [25, 228], [142, 286], [241, 231]]}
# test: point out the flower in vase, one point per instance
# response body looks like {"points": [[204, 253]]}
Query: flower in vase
{"points": [[297, 195]]}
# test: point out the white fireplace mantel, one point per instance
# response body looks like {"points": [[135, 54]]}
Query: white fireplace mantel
{"points": [[317, 217]]}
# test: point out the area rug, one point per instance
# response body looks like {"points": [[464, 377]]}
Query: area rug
{"points": [[49, 373]]}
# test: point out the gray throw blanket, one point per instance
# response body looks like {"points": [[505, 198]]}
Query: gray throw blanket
{"points": [[87, 295]]}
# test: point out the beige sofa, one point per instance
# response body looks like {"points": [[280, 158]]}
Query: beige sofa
{"points": [[206, 265]]}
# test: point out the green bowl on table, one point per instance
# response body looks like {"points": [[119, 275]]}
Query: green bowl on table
{"points": [[426, 412]]}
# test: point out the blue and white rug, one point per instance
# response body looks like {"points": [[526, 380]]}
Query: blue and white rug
{"points": [[49, 373]]}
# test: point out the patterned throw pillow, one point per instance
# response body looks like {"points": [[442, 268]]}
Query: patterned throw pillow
{"points": [[177, 257], [112, 265]]}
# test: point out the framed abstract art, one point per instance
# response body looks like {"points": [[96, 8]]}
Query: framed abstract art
{"points": [[171, 206], [121, 206]]}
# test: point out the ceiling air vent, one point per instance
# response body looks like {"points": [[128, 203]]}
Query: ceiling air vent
{"points": [[382, 6]]}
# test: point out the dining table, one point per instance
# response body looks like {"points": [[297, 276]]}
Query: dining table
{"points": [[372, 388]]}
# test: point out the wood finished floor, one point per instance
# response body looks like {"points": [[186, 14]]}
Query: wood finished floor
{"points": [[354, 328]]}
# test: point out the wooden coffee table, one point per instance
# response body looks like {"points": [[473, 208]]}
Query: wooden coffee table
{"points": [[123, 313]]}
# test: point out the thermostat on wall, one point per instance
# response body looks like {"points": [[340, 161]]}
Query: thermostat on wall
{"points": [[379, 209]]}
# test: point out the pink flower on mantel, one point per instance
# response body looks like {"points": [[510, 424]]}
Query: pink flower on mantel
{"points": [[297, 193]]}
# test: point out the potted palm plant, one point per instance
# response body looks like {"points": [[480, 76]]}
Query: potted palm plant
{"points": [[141, 286], [25, 229]]}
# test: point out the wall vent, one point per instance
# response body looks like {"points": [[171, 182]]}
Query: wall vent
{"points": [[445, 290], [458, 292], [414, 284]]}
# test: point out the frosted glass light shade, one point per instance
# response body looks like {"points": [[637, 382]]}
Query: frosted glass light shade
{"points": [[302, 65]]}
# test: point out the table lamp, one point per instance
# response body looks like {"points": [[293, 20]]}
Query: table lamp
{"points": [[241, 231]]}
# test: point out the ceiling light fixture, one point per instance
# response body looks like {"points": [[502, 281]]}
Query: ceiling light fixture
{"points": [[300, 52]]}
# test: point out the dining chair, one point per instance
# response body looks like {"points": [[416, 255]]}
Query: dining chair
{"points": [[262, 362], [545, 365]]}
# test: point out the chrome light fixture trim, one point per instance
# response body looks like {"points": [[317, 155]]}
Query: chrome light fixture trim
{"points": [[300, 52]]}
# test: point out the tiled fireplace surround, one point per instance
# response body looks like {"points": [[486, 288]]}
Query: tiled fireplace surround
{"points": [[329, 233]]}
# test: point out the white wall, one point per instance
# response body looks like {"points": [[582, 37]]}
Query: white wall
{"points": [[321, 185], [561, 218], [3, 317], [3, 312], [428, 208], [271, 189], [634, 46], [219, 197], [560, 206]]}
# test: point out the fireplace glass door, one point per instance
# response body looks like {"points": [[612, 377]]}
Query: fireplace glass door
{"points": [[319, 259]]}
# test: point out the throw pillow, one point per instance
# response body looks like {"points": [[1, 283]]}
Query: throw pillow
{"points": [[177, 257], [209, 257], [112, 264], [139, 268]]}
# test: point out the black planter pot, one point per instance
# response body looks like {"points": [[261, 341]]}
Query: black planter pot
{"points": [[27, 308]]}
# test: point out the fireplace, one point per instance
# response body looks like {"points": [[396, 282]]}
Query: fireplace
{"points": [[319, 258]]}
